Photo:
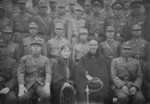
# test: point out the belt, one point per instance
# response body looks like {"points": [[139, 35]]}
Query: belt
{"points": [[126, 79], [35, 74]]}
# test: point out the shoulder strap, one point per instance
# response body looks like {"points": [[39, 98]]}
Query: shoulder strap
{"points": [[109, 47]]}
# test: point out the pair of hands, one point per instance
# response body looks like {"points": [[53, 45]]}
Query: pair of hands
{"points": [[128, 91], [23, 90], [4, 90], [67, 84]]}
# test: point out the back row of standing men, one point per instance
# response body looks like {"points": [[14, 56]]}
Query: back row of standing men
{"points": [[111, 25]]}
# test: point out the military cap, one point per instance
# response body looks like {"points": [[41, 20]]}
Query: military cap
{"points": [[61, 5], [110, 28], [52, 1], [87, 2], [97, 3], [125, 46], [42, 4], [117, 5], [136, 4], [83, 30], [72, 2], [22, 1], [59, 25], [8, 30], [36, 41], [78, 7], [33, 24]]}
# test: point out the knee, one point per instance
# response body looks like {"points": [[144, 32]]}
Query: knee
{"points": [[123, 98]]}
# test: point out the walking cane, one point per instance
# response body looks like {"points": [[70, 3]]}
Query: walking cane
{"points": [[87, 91]]}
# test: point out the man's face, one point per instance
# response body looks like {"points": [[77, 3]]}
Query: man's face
{"points": [[126, 53], [43, 10], [117, 12], [78, 13], [65, 53], [71, 7], [59, 31], [83, 36], [35, 2], [61, 10], [96, 9], [36, 48], [52, 5], [87, 7], [127, 4], [22, 6], [33, 31], [136, 30], [107, 2], [110, 32], [93, 45], [7, 35]]}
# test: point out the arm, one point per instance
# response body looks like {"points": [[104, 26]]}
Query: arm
{"points": [[13, 81], [17, 53], [48, 71], [21, 71], [44, 50], [117, 82], [74, 53], [138, 82]]}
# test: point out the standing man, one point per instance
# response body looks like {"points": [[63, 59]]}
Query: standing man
{"points": [[34, 75], [34, 9], [4, 21], [110, 47], [54, 45], [138, 44], [63, 18], [136, 17], [20, 22], [127, 77], [96, 22], [33, 30], [87, 9], [118, 20], [53, 7], [44, 21], [8, 77], [12, 48]]}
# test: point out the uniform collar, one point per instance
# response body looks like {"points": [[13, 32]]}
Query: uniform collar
{"points": [[96, 55]]}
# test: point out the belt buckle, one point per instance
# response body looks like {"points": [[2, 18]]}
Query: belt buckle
{"points": [[1, 79], [126, 79], [35, 74]]}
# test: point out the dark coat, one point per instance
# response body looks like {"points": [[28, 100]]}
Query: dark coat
{"points": [[59, 72], [96, 66]]}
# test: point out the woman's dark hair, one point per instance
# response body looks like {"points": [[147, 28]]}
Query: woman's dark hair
{"points": [[66, 45]]}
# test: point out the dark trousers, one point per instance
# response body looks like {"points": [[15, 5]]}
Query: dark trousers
{"points": [[38, 89], [9, 98], [123, 98]]}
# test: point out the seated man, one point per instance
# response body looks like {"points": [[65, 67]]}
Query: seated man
{"points": [[8, 78], [127, 77], [34, 75]]}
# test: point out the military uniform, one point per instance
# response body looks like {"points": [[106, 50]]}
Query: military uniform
{"points": [[110, 49], [139, 48], [127, 72], [26, 45], [96, 22], [135, 17], [54, 46], [53, 13], [65, 20], [19, 23], [34, 73], [4, 22], [45, 23], [8, 78], [12, 48], [33, 10], [118, 21]]}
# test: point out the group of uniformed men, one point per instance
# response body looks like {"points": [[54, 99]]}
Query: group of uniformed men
{"points": [[37, 37]]}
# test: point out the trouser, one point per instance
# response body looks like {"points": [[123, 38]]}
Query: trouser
{"points": [[123, 98], [38, 89], [9, 98]]}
